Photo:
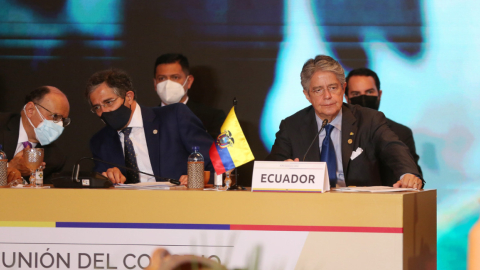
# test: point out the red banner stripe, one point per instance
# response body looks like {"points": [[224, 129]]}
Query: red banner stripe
{"points": [[315, 228]]}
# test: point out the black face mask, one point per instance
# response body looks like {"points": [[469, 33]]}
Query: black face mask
{"points": [[117, 119], [371, 102]]}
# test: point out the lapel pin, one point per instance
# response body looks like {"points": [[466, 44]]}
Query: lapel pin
{"points": [[351, 133], [155, 131], [350, 141]]}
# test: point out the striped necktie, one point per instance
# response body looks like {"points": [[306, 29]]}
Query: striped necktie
{"points": [[130, 157]]}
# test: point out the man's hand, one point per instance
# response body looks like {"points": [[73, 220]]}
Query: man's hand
{"points": [[294, 160], [115, 175], [409, 181], [184, 180], [18, 162], [13, 174]]}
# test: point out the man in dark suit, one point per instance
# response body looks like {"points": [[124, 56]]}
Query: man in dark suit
{"points": [[357, 137], [363, 88], [172, 80], [40, 122], [153, 140]]}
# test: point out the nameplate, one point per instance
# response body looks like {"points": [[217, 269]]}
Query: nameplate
{"points": [[280, 176]]}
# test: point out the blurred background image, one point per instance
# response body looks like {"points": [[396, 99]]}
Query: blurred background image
{"points": [[425, 53]]}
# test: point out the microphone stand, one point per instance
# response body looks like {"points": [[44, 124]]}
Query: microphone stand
{"points": [[236, 186], [76, 170], [324, 123]]}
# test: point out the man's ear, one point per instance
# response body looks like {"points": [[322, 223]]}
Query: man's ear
{"points": [[130, 97], [155, 84], [190, 81], [30, 109], [379, 95]]}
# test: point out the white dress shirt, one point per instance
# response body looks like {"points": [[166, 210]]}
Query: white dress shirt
{"points": [[137, 136], [22, 137], [185, 102], [336, 137]]}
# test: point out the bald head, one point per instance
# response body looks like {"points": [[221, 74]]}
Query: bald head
{"points": [[43, 103], [49, 97]]}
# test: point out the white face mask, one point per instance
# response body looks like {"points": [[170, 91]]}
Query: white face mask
{"points": [[47, 131], [171, 92]]}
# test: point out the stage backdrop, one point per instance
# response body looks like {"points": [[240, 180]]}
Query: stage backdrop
{"points": [[424, 52]]}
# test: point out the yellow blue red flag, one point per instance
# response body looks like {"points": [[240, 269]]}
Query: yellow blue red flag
{"points": [[230, 149]]}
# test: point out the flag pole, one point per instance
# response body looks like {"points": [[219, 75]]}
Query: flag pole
{"points": [[236, 186]]}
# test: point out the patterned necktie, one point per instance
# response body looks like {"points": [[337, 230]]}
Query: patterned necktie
{"points": [[26, 144], [328, 155], [130, 158]]}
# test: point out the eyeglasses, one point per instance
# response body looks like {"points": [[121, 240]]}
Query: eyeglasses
{"points": [[333, 89], [57, 117], [106, 104]]}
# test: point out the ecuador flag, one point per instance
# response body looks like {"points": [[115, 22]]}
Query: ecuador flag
{"points": [[231, 149]]}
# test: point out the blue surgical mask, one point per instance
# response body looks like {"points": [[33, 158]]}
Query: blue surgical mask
{"points": [[48, 131]]}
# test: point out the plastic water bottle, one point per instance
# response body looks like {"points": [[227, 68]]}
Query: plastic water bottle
{"points": [[39, 177], [195, 169], [3, 167]]}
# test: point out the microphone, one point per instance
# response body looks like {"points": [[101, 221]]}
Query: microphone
{"points": [[76, 170], [324, 123], [77, 179]]}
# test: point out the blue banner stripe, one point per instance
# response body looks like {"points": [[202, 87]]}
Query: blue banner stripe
{"points": [[179, 226], [225, 157]]}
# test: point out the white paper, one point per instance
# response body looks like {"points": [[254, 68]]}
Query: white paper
{"points": [[373, 189], [22, 186], [147, 185]]}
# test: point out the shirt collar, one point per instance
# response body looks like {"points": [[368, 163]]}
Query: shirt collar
{"points": [[22, 135], [137, 120], [337, 122], [185, 102]]}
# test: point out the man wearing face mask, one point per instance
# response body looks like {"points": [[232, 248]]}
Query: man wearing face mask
{"points": [[40, 122], [172, 80], [153, 140], [363, 88]]}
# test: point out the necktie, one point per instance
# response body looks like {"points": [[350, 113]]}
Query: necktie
{"points": [[130, 158], [26, 144], [328, 155]]}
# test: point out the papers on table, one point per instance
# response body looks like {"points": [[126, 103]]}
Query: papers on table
{"points": [[25, 186], [373, 189], [147, 185]]}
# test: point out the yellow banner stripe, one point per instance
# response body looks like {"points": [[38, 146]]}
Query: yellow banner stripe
{"points": [[27, 224]]}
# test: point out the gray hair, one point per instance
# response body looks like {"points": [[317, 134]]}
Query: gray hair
{"points": [[321, 63], [116, 79]]}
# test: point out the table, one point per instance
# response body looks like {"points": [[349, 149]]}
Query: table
{"points": [[108, 228]]}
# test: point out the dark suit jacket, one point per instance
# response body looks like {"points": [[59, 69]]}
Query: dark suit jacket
{"points": [[406, 136], [366, 128], [9, 130], [177, 131], [211, 118]]}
